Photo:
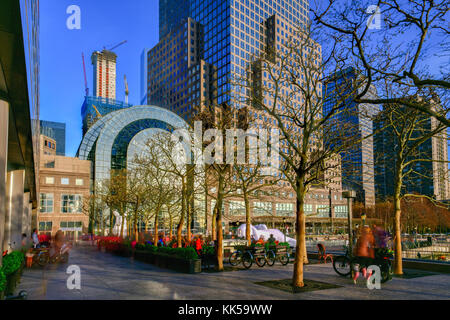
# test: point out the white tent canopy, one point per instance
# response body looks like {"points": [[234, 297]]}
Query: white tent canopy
{"points": [[261, 230]]}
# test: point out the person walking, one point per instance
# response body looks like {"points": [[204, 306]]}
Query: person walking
{"points": [[199, 245], [35, 238], [364, 251]]}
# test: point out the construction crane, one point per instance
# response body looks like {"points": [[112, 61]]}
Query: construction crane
{"points": [[126, 89], [98, 113], [117, 45], [85, 78]]}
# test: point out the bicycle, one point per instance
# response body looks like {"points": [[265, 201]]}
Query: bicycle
{"points": [[347, 264], [257, 255], [342, 264], [280, 253], [236, 257]]}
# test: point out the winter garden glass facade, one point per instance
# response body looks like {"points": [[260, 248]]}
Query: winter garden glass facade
{"points": [[107, 141]]}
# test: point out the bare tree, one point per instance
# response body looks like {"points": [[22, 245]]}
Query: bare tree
{"points": [[413, 37], [408, 130], [154, 170], [284, 87], [215, 120]]}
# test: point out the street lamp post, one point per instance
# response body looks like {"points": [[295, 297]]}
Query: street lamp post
{"points": [[349, 195], [284, 228]]}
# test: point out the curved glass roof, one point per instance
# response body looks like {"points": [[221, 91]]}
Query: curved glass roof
{"points": [[111, 135]]}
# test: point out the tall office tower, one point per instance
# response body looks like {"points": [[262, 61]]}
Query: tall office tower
{"points": [[178, 78], [56, 131], [426, 177], [104, 63], [357, 163], [234, 32], [171, 14]]}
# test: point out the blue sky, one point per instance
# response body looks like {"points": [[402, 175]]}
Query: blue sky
{"points": [[103, 23]]}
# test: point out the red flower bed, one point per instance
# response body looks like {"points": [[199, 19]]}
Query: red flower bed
{"points": [[109, 243]]}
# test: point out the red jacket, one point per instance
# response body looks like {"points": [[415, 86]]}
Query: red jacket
{"points": [[198, 244]]}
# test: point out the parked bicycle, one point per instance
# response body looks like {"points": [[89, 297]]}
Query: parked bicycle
{"points": [[278, 253], [236, 257], [257, 255]]}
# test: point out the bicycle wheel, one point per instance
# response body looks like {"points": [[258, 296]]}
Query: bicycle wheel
{"points": [[341, 265], [386, 272], [43, 259], [247, 260], [64, 258], [271, 258], [235, 258], [284, 258], [260, 261]]}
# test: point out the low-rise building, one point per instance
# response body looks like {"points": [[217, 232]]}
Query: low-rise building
{"points": [[64, 183]]}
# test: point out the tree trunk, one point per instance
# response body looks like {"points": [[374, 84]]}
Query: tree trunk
{"points": [[110, 221], [122, 215], [220, 195], [170, 226], [188, 218], [206, 209], [155, 235], [213, 222], [183, 209], [136, 233], [248, 218], [300, 246], [398, 267]]}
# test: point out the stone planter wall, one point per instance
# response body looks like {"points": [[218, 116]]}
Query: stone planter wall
{"points": [[169, 262], [13, 280]]}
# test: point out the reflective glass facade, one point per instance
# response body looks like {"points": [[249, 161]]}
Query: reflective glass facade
{"points": [[358, 163], [107, 141], [171, 13], [56, 131]]}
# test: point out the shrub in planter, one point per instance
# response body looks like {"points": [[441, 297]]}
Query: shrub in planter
{"points": [[12, 268], [2, 283], [12, 262]]}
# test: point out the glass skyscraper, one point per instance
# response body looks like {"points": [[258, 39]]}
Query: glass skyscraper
{"points": [[234, 31], [171, 14], [56, 131], [357, 163]]}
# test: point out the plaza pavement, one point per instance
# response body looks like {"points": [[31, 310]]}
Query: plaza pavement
{"points": [[106, 276]]}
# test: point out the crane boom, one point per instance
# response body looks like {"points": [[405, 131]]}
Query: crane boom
{"points": [[117, 45], [85, 78]]}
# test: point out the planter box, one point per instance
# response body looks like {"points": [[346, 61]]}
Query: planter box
{"points": [[11, 282], [144, 256], [124, 252], [209, 260], [169, 262]]}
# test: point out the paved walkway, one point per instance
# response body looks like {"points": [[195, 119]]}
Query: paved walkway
{"points": [[105, 276]]}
